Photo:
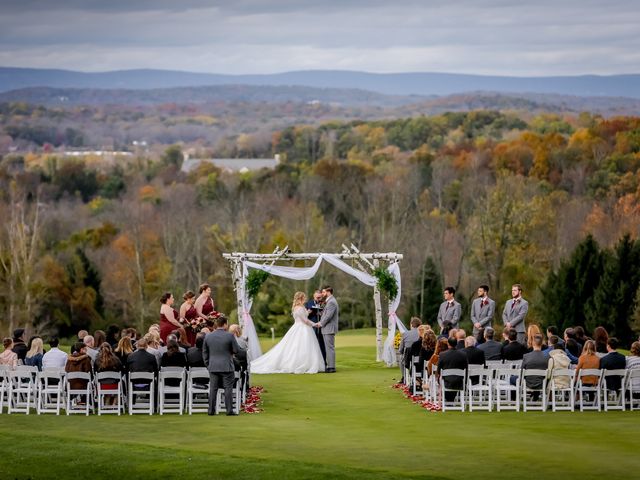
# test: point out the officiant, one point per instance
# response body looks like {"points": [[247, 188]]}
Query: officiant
{"points": [[314, 308]]}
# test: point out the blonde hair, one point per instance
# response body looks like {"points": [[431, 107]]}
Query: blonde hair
{"points": [[36, 347], [589, 348], [532, 331], [298, 300]]}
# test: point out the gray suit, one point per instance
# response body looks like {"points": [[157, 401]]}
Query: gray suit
{"points": [[452, 313], [492, 350], [217, 352], [329, 323], [482, 314], [408, 339], [515, 315]]}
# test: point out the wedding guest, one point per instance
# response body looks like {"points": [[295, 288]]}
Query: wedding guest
{"points": [[600, 336], [572, 349], [124, 349], [461, 335], [553, 330], [99, 337], [633, 361], [532, 331], [35, 354], [89, 343], [112, 335], [408, 338], [581, 336], [240, 358], [588, 360], [173, 357], [613, 360], [181, 335], [107, 361], [78, 361], [8, 356], [204, 303], [194, 354], [19, 347], [172, 337], [189, 315], [492, 350], [168, 316], [141, 360], [82, 334], [514, 350], [453, 358], [475, 356], [446, 329], [558, 360], [441, 346], [54, 357], [153, 346], [535, 360], [427, 348], [416, 346]]}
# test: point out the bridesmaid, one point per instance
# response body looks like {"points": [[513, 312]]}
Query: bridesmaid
{"points": [[168, 316], [204, 304], [188, 312]]}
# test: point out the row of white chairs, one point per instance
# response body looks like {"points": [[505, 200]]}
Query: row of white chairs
{"points": [[504, 386], [173, 390]]}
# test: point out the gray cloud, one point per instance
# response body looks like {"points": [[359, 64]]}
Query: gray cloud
{"points": [[250, 36]]}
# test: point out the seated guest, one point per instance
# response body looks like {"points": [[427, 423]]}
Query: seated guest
{"points": [[581, 336], [141, 360], [89, 343], [587, 361], [171, 337], [240, 358], [78, 361], [54, 357], [492, 350], [558, 360], [460, 338], [153, 345], [112, 335], [633, 361], [480, 337], [572, 349], [183, 342], [99, 337], [194, 354], [408, 338], [19, 347], [514, 350], [475, 356], [505, 337], [173, 357], [600, 336], [613, 361], [441, 346], [8, 357], [82, 334], [452, 358], [535, 360], [123, 350], [427, 348], [446, 329], [35, 354], [553, 330], [532, 331], [107, 361]]}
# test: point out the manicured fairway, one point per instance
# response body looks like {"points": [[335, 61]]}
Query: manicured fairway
{"points": [[347, 425]]}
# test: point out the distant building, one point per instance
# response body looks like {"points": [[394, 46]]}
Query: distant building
{"points": [[231, 164]]}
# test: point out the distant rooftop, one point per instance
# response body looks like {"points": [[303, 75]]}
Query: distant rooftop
{"points": [[231, 164]]}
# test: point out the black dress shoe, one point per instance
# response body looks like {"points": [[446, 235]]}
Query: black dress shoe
{"points": [[331, 370], [232, 414], [211, 414]]}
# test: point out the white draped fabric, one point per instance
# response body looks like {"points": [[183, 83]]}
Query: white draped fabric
{"points": [[306, 273]]}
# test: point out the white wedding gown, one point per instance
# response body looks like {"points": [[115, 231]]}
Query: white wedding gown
{"points": [[297, 352]]}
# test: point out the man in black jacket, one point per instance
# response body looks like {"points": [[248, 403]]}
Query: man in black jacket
{"points": [[492, 350], [450, 359], [513, 350], [19, 347], [613, 361], [194, 354], [141, 360]]}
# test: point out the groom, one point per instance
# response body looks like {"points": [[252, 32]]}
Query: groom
{"points": [[329, 325]]}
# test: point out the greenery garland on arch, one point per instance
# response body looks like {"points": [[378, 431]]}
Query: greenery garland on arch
{"points": [[386, 283], [255, 279]]}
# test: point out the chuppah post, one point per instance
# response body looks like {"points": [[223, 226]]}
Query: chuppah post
{"points": [[378, 308]]}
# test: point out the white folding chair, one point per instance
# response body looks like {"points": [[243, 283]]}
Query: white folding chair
{"points": [[480, 394], [528, 392], [493, 363], [141, 389], [198, 390], [633, 387], [103, 394], [51, 390], [506, 395], [613, 399], [458, 402], [237, 399], [79, 400], [167, 393], [23, 389], [434, 385], [415, 376], [4, 386], [515, 364], [562, 389], [585, 390]]}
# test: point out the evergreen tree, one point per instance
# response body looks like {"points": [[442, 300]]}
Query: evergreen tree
{"points": [[430, 296]]}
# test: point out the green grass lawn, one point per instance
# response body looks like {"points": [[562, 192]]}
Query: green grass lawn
{"points": [[347, 425]]}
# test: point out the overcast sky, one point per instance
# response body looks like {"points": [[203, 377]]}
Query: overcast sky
{"points": [[503, 37]]}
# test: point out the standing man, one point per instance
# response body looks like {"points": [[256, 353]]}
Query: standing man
{"points": [[218, 350], [314, 308], [482, 310], [514, 313], [329, 325], [450, 309]]}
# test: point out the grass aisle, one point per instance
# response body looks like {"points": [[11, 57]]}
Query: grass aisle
{"points": [[346, 425]]}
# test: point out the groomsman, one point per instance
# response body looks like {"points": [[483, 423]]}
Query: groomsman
{"points": [[514, 313], [450, 309], [482, 310]]}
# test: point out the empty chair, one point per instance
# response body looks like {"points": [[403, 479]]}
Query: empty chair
{"points": [[198, 390], [109, 392], [78, 392], [633, 387], [23, 389], [506, 393], [455, 400], [613, 389], [588, 388], [480, 391], [561, 389], [141, 390], [4, 386], [51, 390], [534, 389], [171, 390]]}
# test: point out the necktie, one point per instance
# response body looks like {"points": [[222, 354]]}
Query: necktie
{"points": [[514, 304]]}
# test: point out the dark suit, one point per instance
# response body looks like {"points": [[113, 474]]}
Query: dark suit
{"points": [[492, 350], [613, 361], [452, 359], [474, 355], [218, 350], [535, 360], [513, 351], [314, 316], [142, 361], [194, 357]]}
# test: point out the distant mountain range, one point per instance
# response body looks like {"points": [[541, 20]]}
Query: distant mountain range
{"points": [[402, 84]]}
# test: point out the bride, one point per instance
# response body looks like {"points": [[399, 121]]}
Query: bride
{"points": [[298, 351]]}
